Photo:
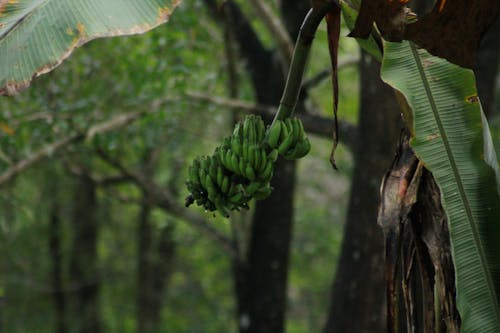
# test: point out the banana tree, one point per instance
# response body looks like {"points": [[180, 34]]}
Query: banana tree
{"points": [[447, 141]]}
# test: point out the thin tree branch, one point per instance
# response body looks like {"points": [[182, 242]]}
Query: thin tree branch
{"points": [[164, 199], [278, 31], [36, 157], [114, 123], [327, 73], [98, 180], [315, 124], [259, 60]]}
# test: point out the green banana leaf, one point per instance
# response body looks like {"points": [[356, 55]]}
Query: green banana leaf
{"points": [[37, 35], [452, 139]]}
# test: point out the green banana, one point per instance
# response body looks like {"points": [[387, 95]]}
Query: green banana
{"points": [[241, 167], [236, 198], [301, 130], [274, 134], [296, 129], [263, 192], [261, 130], [273, 155], [224, 185], [252, 188], [284, 133], [301, 149], [235, 163], [236, 145], [255, 157], [212, 170], [286, 144], [267, 173], [249, 173], [251, 155], [220, 175]]}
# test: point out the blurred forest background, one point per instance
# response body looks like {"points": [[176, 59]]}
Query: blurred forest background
{"points": [[93, 159]]}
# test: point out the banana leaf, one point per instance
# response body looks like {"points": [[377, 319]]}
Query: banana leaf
{"points": [[452, 139], [37, 35]]}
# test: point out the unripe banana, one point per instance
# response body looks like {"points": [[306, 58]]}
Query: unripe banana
{"points": [[246, 128], [253, 130], [263, 192], [228, 160], [261, 129], [224, 185], [255, 157], [252, 188], [236, 199], [235, 163], [241, 167], [237, 130], [301, 149], [213, 168], [193, 174], [267, 173], [251, 154], [286, 144], [249, 173], [302, 132], [274, 133], [236, 145], [245, 150], [273, 155], [220, 175], [296, 129], [284, 133], [220, 205], [202, 175]]}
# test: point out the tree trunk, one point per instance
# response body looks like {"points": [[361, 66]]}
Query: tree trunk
{"points": [[58, 291], [261, 273], [154, 266], [357, 298], [487, 68], [83, 268], [268, 257]]}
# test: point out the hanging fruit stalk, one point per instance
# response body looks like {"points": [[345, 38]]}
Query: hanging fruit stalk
{"points": [[242, 167]]}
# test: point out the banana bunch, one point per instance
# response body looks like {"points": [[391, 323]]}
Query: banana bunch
{"points": [[212, 187], [242, 167], [238, 171], [289, 138]]}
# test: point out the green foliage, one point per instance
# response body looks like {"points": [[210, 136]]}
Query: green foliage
{"points": [[111, 77], [452, 139]]}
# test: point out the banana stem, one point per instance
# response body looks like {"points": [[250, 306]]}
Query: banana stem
{"points": [[299, 58]]}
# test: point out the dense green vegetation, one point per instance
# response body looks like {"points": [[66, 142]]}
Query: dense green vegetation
{"points": [[152, 73], [93, 161]]}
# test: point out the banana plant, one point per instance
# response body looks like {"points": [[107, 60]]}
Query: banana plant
{"points": [[450, 136], [37, 35]]}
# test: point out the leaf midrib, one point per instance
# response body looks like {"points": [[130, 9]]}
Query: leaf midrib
{"points": [[458, 179], [22, 18]]}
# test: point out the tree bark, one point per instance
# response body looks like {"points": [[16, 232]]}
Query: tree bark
{"points": [[357, 297], [261, 274], [58, 290], [487, 68], [83, 268], [154, 267]]}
